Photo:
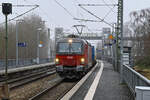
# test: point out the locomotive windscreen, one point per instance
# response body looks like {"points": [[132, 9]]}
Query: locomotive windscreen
{"points": [[75, 47]]}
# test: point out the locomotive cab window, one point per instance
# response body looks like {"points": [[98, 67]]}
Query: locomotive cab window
{"points": [[63, 47], [75, 47]]}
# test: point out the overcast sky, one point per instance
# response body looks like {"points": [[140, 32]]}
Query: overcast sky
{"points": [[55, 16]]}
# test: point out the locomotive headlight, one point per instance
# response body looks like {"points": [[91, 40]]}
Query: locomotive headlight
{"points": [[70, 40], [82, 60], [57, 60]]}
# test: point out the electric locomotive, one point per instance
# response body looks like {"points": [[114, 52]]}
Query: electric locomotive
{"points": [[73, 57]]}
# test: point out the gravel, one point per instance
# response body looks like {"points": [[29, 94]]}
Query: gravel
{"points": [[58, 91], [28, 90]]}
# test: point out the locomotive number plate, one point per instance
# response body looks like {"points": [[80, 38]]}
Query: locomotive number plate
{"points": [[69, 57]]}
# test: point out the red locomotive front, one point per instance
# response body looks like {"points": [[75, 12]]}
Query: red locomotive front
{"points": [[72, 57]]}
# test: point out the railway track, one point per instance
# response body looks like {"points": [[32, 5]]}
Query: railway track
{"points": [[16, 73], [55, 92], [28, 77]]}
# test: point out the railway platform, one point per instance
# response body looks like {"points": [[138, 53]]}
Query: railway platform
{"points": [[25, 68], [101, 83]]}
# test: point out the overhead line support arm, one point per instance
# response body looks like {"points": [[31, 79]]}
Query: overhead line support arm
{"points": [[96, 16], [98, 5]]}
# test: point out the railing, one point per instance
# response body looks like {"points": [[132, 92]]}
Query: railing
{"points": [[133, 78], [23, 62]]}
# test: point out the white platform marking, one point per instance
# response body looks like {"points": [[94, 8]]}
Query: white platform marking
{"points": [[78, 85], [91, 92]]}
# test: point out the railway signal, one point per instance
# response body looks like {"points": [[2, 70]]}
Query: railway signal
{"points": [[6, 9]]}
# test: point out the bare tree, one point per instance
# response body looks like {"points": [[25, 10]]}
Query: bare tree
{"points": [[140, 25], [27, 32]]}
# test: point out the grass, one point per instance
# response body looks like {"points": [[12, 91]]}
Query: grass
{"points": [[143, 66], [145, 71]]}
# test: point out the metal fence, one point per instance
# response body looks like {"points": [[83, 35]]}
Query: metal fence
{"points": [[23, 62], [133, 78]]}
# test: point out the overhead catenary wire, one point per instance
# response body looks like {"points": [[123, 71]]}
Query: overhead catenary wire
{"points": [[87, 20], [96, 16], [98, 4], [83, 18], [24, 5], [44, 12], [89, 29], [78, 8], [22, 14], [64, 8], [108, 5], [29, 1], [108, 13], [112, 1]]}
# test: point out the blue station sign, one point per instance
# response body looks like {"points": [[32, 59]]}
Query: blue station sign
{"points": [[22, 44]]}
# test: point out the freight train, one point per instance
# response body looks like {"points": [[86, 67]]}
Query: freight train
{"points": [[74, 57]]}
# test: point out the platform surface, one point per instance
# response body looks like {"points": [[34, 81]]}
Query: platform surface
{"points": [[28, 67], [108, 87]]}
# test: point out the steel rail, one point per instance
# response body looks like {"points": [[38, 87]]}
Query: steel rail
{"points": [[60, 97], [31, 75], [33, 78], [46, 90]]}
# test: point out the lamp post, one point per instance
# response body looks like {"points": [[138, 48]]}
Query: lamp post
{"points": [[38, 42], [16, 43], [49, 38], [103, 38], [17, 58]]}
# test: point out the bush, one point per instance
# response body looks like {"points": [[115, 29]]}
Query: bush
{"points": [[144, 62]]}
